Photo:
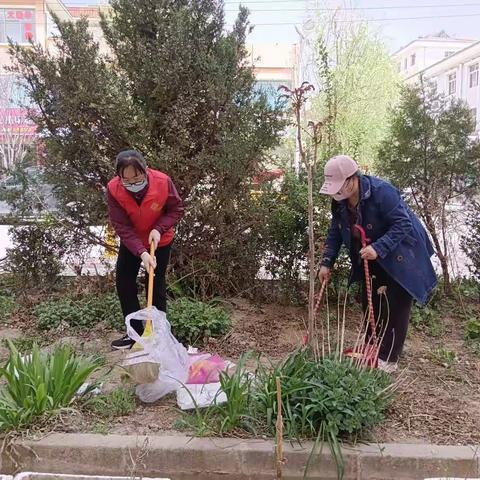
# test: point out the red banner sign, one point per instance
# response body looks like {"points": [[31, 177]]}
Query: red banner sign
{"points": [[16, 121]]}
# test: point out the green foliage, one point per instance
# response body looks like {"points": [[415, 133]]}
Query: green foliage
{"points": [[468, 288], [285, 231], [472, 330], [38, 385], [237, 388], [324, 400], [194, 321], [360, 86], [430, 144], [24, 344], [7, 306], [427, 319], [27, 194], [35, 258], [107, 309], [444, 357], [117, 403], [471, 241], [80, 313], [331, 393], [177, 87], [431, 153]]}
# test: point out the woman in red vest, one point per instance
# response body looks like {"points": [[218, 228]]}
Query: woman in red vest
{"points": [[143, 206]]}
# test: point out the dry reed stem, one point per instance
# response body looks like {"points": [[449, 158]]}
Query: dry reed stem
{"points": [[279, 431]]}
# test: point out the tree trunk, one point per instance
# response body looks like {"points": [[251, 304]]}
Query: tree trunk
{"points": [[440, 254]]}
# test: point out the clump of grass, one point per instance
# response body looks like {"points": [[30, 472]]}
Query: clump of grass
{"points": [[40, 384], [117, 403], [444, 357]]}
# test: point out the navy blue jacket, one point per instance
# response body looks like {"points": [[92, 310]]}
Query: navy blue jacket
{"points": [[403, 247]]}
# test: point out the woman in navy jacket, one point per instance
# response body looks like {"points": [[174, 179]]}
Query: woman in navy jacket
{"points": [[399, 249]]}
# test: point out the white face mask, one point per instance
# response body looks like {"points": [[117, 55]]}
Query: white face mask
{"points": [[137, 187], [343, 193], [340, 196]]}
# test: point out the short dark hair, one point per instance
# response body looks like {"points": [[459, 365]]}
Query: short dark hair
{"points": [[130, 158]]}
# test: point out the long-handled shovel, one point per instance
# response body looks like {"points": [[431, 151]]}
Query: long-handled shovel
{"points": [[137, 365]]}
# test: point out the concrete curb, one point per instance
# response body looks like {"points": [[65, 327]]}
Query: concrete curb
{"points": [[185, 458]]}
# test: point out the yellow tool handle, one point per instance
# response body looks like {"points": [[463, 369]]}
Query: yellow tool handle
{"points": [[148, 325], [151, 274]]}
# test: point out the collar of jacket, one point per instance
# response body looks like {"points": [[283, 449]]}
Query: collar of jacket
{"points": [[365, 187]]}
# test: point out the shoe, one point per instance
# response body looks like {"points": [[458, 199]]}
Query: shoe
{"points": [[124, 343], [388, 367]]}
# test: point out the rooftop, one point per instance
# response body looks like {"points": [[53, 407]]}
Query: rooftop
{"points": [[441, 36]]}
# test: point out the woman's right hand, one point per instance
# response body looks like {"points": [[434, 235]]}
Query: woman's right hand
{"points": [[148, 261], [324, 274]]}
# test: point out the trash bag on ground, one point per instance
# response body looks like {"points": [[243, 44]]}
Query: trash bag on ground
{"points": [[164, 366], [162, 359]]}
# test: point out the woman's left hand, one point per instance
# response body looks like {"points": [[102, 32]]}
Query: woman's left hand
{"points": [[154, 237], [368, 253]]}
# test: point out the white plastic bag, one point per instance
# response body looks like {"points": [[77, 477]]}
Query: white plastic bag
{"points": [[192, 396], [160, 347]]}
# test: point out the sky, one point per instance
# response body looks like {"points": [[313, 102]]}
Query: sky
{"points": [[399, 21]]}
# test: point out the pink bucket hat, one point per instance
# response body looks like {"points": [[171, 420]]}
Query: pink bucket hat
{"points": [[337, 170]]}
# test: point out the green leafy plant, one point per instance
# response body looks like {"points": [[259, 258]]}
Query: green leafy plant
{"points": [[7, 306], [333, 393], [427, 319], [80, 313], [24, 344], [444, 356], [50, 314], [40, 384], [472, 330], [194, 321], [468, 288], [117, 403]]}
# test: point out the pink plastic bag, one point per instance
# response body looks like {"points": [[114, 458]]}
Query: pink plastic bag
{"points": [[206, 369]]}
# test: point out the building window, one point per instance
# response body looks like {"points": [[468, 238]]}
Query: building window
{"points": [[399, 67], [452, 83], [405, 64], [448, 53], [412, 59], [17, 25], [269, 88], [473, 70], [473, 113]]}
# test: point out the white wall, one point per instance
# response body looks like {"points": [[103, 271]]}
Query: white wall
{"points": [[460, 64], [427, 53]]}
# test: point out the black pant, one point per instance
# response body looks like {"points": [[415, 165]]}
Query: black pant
{"points": [[128, 266], [392, 312]]}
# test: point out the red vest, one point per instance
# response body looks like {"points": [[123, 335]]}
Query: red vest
{"points": [[145, 216]]}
